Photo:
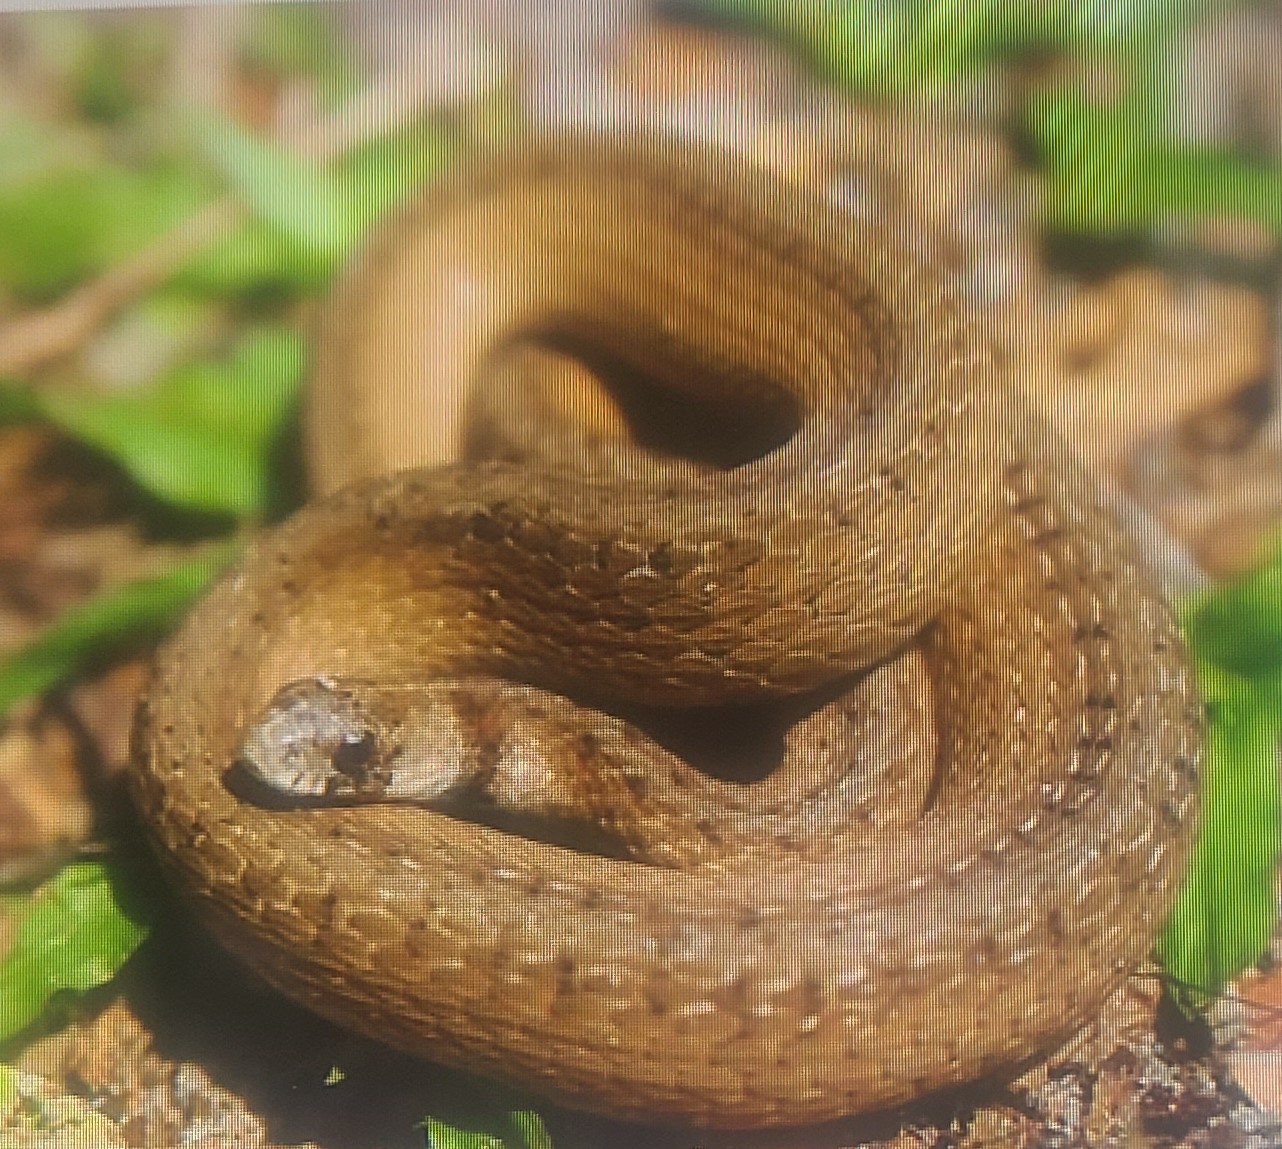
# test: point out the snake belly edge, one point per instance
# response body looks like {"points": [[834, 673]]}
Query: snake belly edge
{"points": [[917, 499]]}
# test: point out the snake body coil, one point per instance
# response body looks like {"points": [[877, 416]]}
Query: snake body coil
{"points": [[916, 501]]}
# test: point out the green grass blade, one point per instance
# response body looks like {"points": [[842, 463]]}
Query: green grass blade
{"points": [[85, 635]]}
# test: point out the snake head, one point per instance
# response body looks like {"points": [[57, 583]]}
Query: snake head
{"points": [[317, 740], [348, 741]]}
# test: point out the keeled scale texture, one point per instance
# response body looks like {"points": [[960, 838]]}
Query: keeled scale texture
{"points": [[774, 988]]}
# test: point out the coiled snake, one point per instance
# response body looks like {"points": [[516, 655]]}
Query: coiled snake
{"points": [[799, 949]]}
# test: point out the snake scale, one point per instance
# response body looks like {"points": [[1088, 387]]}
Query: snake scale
{"points": [[844, 961]]}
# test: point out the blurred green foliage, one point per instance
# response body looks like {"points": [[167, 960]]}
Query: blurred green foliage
{"points": [[204, 436], [1229, 905], [116, 621], [1110, 162], [66, 220], [914, 47], [72, 934], [525, 1131], [79, 195]]}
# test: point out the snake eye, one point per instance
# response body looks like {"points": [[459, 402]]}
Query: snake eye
{"points": [[353, 753]]}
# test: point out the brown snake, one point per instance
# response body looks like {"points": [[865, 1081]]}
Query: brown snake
{"points": [[790, 980]]}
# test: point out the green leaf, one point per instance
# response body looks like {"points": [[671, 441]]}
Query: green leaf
{"points": [[1093, 163], [298, 41], [71, 935], [8, 1086], [27, 149], [894, 46], [203, 438], [86, 634], [283, 190], [110, 80], [1110, 167], [441, 1136], [527, 1126], [257, 259], [60, 225], [18, 404], [1239, 627], [385, 171], [262, 256], [1226, 911], [530, 1128]]}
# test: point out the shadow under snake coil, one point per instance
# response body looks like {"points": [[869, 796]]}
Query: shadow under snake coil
{"points": [[862, 926]]}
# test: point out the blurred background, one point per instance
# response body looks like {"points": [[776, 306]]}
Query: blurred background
{"points": [[178, 186]]}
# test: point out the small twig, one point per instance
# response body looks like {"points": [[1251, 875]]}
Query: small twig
{"points": [[40, 337], [1169, 979]]}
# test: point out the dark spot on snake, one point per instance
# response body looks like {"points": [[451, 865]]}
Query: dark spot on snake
{"points": [[985, 951], [661, 559], [1048, 535], [892, 479], [1101, 700], [566, 971], [658, 1007], [638, 785], [1087, 630], [436, 529], [486, 528], [591, 900], [326, 905], [417, 937]]}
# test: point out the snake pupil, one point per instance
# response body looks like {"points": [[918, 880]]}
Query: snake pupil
{"points": [[353, 754]]}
